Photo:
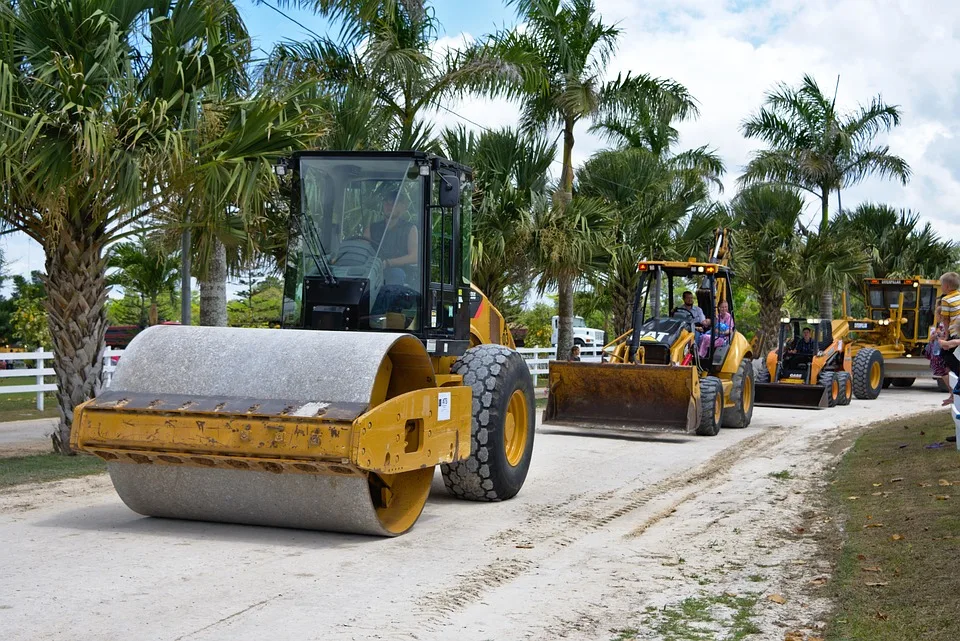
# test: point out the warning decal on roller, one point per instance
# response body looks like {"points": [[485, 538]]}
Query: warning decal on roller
{"points": [[443, 406]]}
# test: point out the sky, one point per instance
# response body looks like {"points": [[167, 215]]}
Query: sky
{"points": [[728, 53]]}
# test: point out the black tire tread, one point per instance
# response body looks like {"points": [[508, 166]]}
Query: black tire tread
{"points": [[735, 416], [861, 373], [826, 379], [844, 398], [709, 388], [484, 367]]}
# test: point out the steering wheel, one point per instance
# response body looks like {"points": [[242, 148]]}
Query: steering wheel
{"points": [[681, 313], [355, 251]]}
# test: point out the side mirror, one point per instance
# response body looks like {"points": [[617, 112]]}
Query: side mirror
{"points": [[449, 190]]}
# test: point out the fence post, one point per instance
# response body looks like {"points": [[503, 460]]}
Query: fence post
{"points": [[39, 363]]}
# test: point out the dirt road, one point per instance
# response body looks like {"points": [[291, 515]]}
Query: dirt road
{"points": [[608, 537]]}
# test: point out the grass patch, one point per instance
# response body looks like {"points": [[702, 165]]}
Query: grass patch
{"points": [[42, 468], [782, 475], [23, 406], [897, 575], [705, 618]]}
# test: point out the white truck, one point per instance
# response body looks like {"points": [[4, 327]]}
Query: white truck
{"points": [[582, 335]]}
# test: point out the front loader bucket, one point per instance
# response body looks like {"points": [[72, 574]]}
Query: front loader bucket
{"points": [[810, 397], [660, 398]]}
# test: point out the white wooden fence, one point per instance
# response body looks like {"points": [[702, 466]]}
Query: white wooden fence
{"points": [[537, 358], [17, 366]]}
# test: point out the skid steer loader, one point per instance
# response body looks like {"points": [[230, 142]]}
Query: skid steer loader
{"points": [[654, 378], [815, 378], [899, 316], [389, 364]]}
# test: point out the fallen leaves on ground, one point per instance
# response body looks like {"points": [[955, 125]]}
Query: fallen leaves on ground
{"points": [[897, 537], [872, 569], [943, 497], [777, 598], [873, 525], [877, 584], [896, 480], [944, 483]]}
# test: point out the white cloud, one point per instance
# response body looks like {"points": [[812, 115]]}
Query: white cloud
{"points": [[729, 53]]}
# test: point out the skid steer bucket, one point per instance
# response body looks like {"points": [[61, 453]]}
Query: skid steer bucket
{"points": [[306, 429], [811, 397], [660, 398]]}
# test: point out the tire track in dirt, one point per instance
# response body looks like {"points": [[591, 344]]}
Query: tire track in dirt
{"points": [[551, 528]]}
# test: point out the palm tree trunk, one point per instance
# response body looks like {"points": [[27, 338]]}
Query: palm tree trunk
{"points": [[769, 326], [213, 289], [565, 320], [154, 312], [826, 303], [565, 284], [826, 296], [76, 315]]}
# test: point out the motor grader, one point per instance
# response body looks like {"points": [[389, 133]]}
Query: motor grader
{"points": [[389, 364], [653, 378], [815, 378], [899, 314]]}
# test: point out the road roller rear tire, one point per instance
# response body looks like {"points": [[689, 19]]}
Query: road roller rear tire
{"points": [[742, 396], [867, 373], [845, 382], [832, 383], [503, 425], [711, 406]]}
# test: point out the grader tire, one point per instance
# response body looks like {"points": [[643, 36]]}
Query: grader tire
{"points": [[846, 388], [867, 373], [503, 425], [742, 396], [711, 406], [903, 382], [829, 380]]}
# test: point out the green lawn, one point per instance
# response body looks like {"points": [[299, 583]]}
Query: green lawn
{"points": [[897, 576], [42, 468], [18, 407]]}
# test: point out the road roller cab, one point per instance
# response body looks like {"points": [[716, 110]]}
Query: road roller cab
{"points": [[670, 372], [389, 364]]}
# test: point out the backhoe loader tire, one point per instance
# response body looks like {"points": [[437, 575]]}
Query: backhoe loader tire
{"points": [[711, 416], [866, 383], [829, 380], [761, 373], [846, 388], [742, 411], [903, 382], [503, 425]]}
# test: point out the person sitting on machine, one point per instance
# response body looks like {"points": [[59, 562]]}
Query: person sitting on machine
{"points": [[723, 331], [699, 318], [804, 345], [394, 238]]}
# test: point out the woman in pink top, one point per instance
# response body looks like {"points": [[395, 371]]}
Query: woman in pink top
{"points": [[724, 330]]}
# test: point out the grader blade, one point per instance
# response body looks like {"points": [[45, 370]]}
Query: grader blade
{"points": [[809, 397], [640, 398]]}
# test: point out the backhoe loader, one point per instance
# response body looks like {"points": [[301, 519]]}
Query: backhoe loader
{"points": [[389, 364], [654, 377], [805, 374]]}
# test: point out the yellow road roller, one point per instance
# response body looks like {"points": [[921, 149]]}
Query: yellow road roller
{"points": [[678, 369], [390, 363]]}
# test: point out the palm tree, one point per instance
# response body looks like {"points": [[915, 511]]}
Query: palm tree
{"points": [[510, 172], [93, 98], [656, 214], [568, 242], [817, 148], [565, 46], [145, 267], [767, 251], [897, 247]]}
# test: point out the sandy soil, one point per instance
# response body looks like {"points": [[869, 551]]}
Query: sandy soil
{"points": [[609, 537]]}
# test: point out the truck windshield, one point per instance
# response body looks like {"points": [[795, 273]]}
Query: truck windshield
{"points": [[579, 322], [358, 219]]}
